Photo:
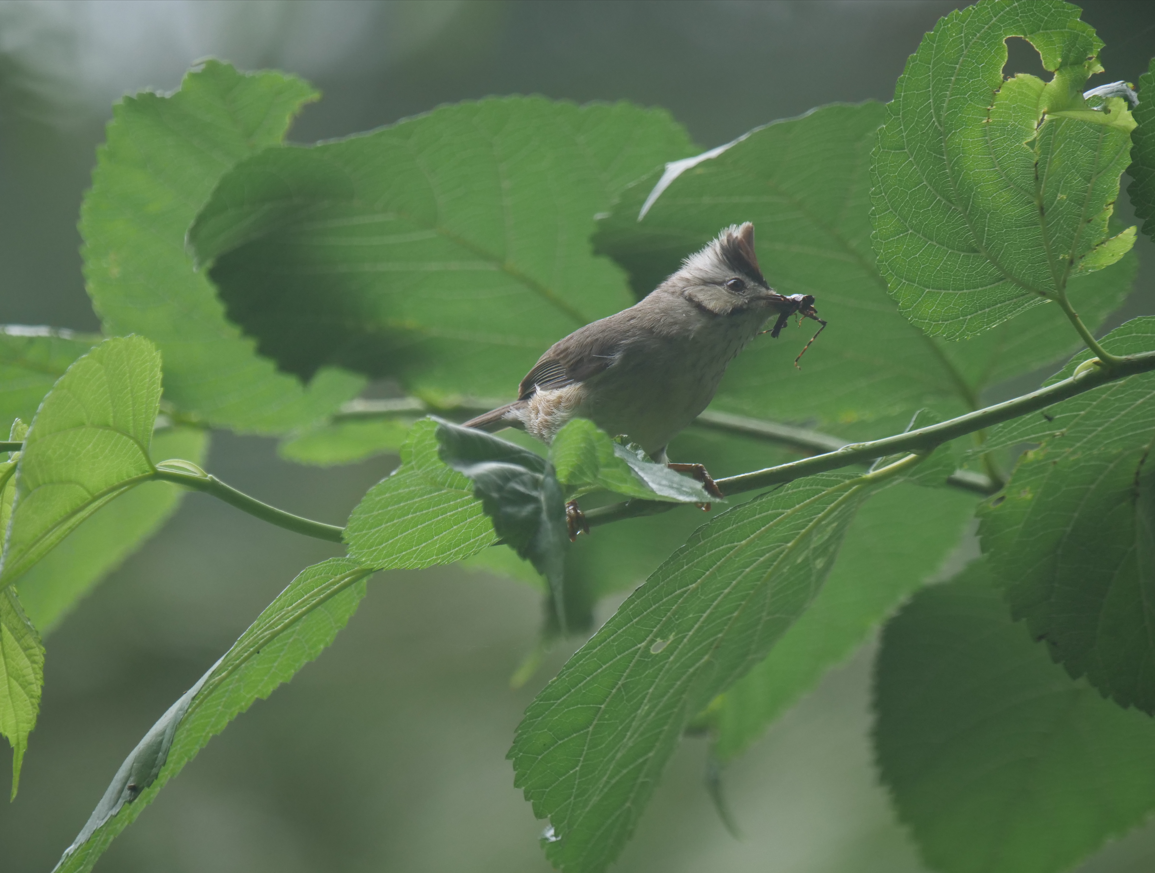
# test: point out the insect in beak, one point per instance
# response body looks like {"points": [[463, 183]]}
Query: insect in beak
{"points": [[803, 305]]}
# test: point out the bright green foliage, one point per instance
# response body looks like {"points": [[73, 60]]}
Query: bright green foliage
{"points": [[1073, 538], [984, 202], [1142, 187], [446, 252], [21, 652], [428, 513], [423, 514], [21, 678], [805, 185], [520, 493], [450, 249], [88, 443], [872, 576], [995, 759], [56, 583], [31, 360], [293, 630], [163, 158], [345, 442], [594, 742], [586, 459]]}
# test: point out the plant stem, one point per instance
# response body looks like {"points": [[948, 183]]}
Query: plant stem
{"points": [[815, 441], [923, 440], [197, 479], [836, 455], [1110, 361]]}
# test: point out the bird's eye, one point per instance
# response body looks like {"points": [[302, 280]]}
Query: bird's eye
{"points": [[735, 285]]}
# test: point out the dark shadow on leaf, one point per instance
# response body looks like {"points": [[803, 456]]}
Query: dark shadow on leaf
{"points": [[305, 320]]}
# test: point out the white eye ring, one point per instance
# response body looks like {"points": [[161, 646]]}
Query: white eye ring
{"points": [[735, 285]]}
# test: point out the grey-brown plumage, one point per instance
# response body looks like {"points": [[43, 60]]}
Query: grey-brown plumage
{"points": [[649, 370]]}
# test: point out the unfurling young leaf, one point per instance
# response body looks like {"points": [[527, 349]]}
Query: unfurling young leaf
{"points": [[996, 760], [88, 443], [293, 630], [1072, 537], [986, 198], [594, 742]]}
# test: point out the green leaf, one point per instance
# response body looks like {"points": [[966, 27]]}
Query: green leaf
{"points": [[586, 459], [164, 156], [1142, 187], [870, 579], [1071, 537], [1042, 335], [1108, 252], [88, 443], [995, 759], [985, 198], [293, 630], [1130, 397], [521, 494], [345, 442], [8, 474], [421, 515], [31, 360], [56, 583], [595, 740], [21, 678], [804, 183], [450, 249]]}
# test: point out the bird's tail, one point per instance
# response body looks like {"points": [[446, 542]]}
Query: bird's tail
{"points": [[495, 419]]}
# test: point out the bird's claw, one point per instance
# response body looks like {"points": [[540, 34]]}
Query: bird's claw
{"points": [[700, 474], [575, 521]]}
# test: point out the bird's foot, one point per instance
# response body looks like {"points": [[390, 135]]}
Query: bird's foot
{"points": [[575, 521], [700, 474]]}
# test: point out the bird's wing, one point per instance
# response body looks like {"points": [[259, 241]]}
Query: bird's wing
{"points": [[583, 354]]}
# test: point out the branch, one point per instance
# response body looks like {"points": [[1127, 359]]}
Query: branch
{"points": [[783, 434], [1090, 375]]}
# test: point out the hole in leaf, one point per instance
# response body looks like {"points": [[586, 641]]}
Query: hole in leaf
{"points": [[1022, 57], [659, 645]]}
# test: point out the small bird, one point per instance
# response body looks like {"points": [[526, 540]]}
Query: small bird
{"points": [[649, 370]]}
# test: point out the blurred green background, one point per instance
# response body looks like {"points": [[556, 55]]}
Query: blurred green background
{"points": [[388, 753]]}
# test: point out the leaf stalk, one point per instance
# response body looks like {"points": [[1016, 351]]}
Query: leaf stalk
{"points": [[191, 476], [1109, 361]]}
